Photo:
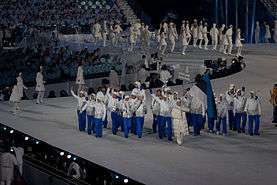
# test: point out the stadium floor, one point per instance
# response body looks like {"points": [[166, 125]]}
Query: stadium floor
{"points": [[209, 159]]}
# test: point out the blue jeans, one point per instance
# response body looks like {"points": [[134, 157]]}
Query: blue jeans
{"points": [[155, 123], [188, 116], [161, 126], [90, 122], [211, 124], [251, 119], [139, 126], [240, 119], [98, 127], [222, 121], [120, 122], [127, 126], [82, 120], [232, 125], [197, 121], [114, 117]]}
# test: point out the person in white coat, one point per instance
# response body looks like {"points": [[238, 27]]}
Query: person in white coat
{"points": [[100, 115], [184, 41], [173, 36], [257, 32], [20, 85], [40, 85], [229, 35], [19, 152], [239, 106], [90, 114], [267, 36], [194, 31], [112, 108], [155, 106], [180, 126], [205, 36], [198, 112], [114, 79], [214, 36], [238, 43], [222, 109], [254, 112], [229, 97], [163, 43], [80, 80], [188, 32], [15, 99], [81, 109], [200, 34], [7, 164], [127, 114]]}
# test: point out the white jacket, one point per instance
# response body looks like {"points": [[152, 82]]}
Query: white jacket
{"points": [[90, 108], [40, 82], [127, 109], [165, 107], [100, 111], [139, 108], [230, 100], [253, 106], [214, 33], [80, 76], [112, 103], [20, 86], [81, 102], [155, 105], [15, 97], [239, 104], [222, 108], [197, 107]]}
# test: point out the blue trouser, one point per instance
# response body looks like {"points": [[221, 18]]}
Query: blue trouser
{"points": [[127, 126], [240, 119], [82, 120], [203, 122], [197, 121], [232, 125], [105, 122], [168, 126], [251, 119], [155, 123], [139, 126], [222, 121], [120, 122], [114, 117], [133, 125], [160, 121], [98, 127], [90, 122], [188, 116], [211, 124]]}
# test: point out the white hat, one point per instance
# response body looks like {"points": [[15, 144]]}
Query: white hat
{"points": [[252, 92], [137, 83]]}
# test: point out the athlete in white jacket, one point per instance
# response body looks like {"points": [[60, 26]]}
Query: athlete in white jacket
{"points": [[81, 109], [99, 116], [222, 109], [239, 106], [112, 108], [253, 110]]}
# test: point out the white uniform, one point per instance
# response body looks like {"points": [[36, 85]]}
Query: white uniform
{"points": [[267, 33], [238, 43], [81, 102], [184, 41], [200, 35], [20, 86], [239, 104], [197, 107], [221, 38], [172, 37], [7, 163], [222, 109], [100, 111], [114, 80], [15, 96], [205, 37], [229, 35], [253, 106], [40, 82], [194, 30], [80, 76], [214, 35], [163, 43], [180, 126]]}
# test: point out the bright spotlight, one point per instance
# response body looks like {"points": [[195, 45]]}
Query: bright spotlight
{"points": [[37, 142], [11, 131], [117, 177], [74, 158], [5, 128], [126, 181], [68, 156], [61, 153], [26, 138], [12, 150]]}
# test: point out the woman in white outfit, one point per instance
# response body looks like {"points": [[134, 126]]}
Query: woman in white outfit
{"points": [[205, 35], [184, 41], [40, 86], [180, 126], [163, 43], [80, 81], [238, 42], [20, 85], [15, 98], [188, 32], [267, 33], [172, 36], [194, 31], [200, 34]]}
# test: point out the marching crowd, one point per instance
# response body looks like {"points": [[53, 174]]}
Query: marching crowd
{"points": [[173, 114]]}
